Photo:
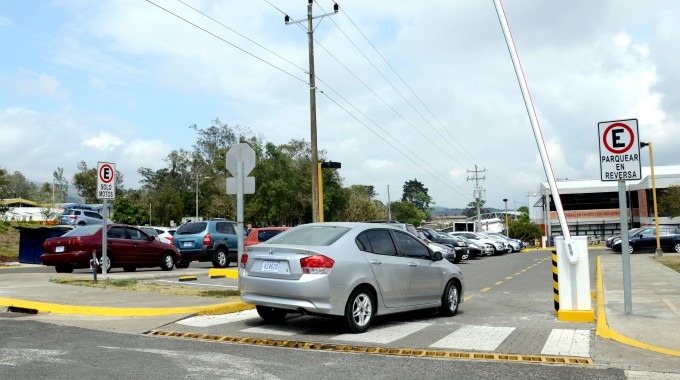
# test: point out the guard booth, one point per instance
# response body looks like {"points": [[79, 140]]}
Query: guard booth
{"points": [[31, 241]]}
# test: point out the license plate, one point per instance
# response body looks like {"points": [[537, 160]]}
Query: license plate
{"points": [[187, 244], [270, 266], [59, 249]]}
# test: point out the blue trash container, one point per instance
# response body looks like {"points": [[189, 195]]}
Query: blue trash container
{"points": [[31, 242]]}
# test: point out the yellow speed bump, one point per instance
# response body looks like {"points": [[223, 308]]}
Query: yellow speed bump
{"points": [[222, 273]]}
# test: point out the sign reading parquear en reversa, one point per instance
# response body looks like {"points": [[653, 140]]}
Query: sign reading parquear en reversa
{"points": [[619, 150]]}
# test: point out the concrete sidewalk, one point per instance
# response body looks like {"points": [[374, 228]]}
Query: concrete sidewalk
{"points": [[654, 321]]}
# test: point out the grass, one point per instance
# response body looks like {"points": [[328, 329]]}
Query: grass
{"points": [[141, 286], [9, 242], [671, 262]]}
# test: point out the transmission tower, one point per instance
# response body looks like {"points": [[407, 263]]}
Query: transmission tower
{"points": [[478, 194]]}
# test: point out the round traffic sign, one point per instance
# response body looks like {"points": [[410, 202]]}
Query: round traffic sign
{"points": [[106, 173], [606, 137]]}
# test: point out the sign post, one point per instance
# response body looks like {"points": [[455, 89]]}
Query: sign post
{"points": [[620, 161], [240, 162], [106, 189]]}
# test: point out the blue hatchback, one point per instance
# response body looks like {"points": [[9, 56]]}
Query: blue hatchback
{"points": [[211, 240]]}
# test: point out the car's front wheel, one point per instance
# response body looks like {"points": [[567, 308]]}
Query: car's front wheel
{"points": [[64, 268], [271, 314], [167, 262], [104, 265], [359, 310], [220, 260], [450, 300], [676, 246]]}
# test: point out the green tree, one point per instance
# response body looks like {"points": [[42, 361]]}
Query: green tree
{"points": [[361, 206], [85, 182], [669, 201], [407, 212], [471, 210], [415, 192], [523, 228], [60, 184], [3, 190], [17, 186], [128, 212]]}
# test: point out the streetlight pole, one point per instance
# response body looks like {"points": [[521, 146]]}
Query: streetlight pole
{"points": [[658, 253], [507, 228]]}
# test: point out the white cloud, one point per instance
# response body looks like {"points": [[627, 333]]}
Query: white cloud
{"points": [[104, 141]]}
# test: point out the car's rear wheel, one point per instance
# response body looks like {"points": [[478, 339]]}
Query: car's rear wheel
{"points": [[129, 268], [631, 249], [450, 300], [359, 310], [167, 262], [676, 247], [220, 260], [64, 268], [271, 314], [510, 249], [104, 265], [182, 264]]}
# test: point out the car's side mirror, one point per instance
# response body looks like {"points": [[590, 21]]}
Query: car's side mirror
{"points": [[436, 256]]}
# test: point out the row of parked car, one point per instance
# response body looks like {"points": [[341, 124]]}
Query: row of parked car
{"points": [[643, 239]]}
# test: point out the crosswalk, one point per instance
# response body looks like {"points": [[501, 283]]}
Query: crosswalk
{"points": [[559, 342]]}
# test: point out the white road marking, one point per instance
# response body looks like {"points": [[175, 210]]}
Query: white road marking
{"points": [[276, 330], [568, 343], [213, 320], [483, 338], [384, 335], [646, 375]]}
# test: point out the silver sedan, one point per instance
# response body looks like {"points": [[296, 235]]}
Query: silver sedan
{"points": [[352, 270]]}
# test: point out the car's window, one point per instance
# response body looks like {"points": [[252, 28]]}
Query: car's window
{"points": [[226, 228], [136, 234], [191, 228], [68, 212], [427, 234], [381, 242], [264, 235], [116, 232], [310, 235], [410, 228], [76, 212], [93, 215], [647, 232], [84, 230], [363, 243], [410, 247]]}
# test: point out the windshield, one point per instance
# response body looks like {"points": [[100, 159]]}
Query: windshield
{"points": [[191, 228], [310, 235], [84, 230]]}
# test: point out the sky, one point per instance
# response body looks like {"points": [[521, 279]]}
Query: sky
{"points": [[406, 90]]}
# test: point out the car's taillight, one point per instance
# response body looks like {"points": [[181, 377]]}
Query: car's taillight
{"points": [[74, 241], [46, 244], [318, 264], [170, 239], [244, 260], [207, 239], [73, 217]]}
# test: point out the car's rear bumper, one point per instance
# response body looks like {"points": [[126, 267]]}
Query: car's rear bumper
{"points": [[310, 293], [79, 259]]}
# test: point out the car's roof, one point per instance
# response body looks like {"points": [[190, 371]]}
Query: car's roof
{"points": [[269, 228]]}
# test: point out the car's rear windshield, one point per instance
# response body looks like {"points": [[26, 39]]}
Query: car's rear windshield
{"points": [[84, 230], [264, 235], [191, 228], [310, 235]]}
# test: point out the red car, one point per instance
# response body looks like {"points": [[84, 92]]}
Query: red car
{"points": [[258, 235], [126, 246]]}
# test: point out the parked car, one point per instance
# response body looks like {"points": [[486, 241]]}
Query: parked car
{"points": [[404, 226], [150, 231], [351, 270], [165, 234], [441, 238], [78, 217], [498, 246], [448, 253], [210, 240], [477, 249], [513, 245], [126, 246], [644, 240], [610, 240], [262, 234]]}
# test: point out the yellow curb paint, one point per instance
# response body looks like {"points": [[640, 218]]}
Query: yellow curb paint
{"points": [[509, 278], [485, 290], [44, 307], [575, 315], [602, 327], [498, 283], [217, 273], [468, 298], [517, 274]]}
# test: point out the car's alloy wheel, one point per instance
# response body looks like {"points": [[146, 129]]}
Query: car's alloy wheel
{"points": [[167, 262], [450, 300], [631, 249], [271, 314], [220, 260], [676, 247], [104, 265], [359, 310]]}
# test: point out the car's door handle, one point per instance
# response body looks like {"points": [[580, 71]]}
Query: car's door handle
{"points": [[375, 262], [412, 264]]}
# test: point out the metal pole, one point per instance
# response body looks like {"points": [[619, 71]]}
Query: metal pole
{"points": [[507, 228], [312, 114], [570, 245], [389, 207], [104, 233], [658, 253], [239, 211], [320, 178], [625, 254]]}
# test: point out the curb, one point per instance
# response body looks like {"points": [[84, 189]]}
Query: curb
{"points": [[602, 327]]}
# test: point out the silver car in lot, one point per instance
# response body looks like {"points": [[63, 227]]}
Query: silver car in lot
{"points": [[350, 270]]}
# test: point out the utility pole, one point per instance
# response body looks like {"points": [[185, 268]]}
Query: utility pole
{"points": [[478, 194], [312, 104]]}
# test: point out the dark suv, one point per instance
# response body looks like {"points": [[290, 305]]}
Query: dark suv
{"points": [[211, 240]]}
